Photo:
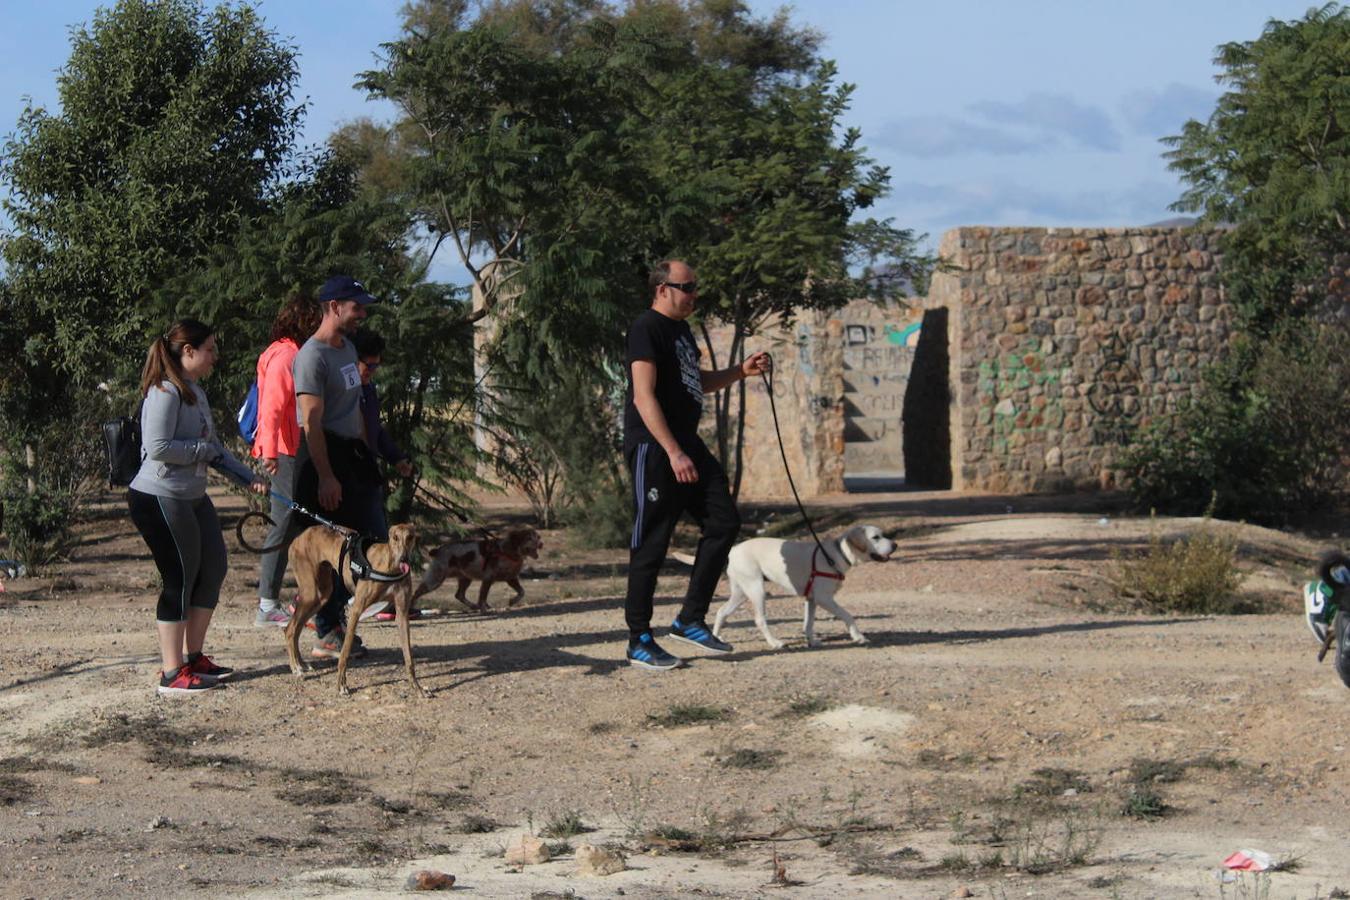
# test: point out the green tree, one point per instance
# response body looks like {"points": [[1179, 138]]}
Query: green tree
{"points": [[1273, 159], [562, 148], [1265, 437], [174, 123]]}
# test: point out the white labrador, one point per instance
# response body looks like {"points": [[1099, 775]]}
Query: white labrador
{"points": [[799, 567]]}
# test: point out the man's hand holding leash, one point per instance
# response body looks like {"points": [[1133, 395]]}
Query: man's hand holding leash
{"points": [[756, 364]]}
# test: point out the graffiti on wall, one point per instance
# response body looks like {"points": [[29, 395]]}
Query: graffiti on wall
{"points": [[1113, 394], [1023, 391]]}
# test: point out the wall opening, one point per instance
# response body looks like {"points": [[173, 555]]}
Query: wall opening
{"points": [[879, 345], [926, 415]]}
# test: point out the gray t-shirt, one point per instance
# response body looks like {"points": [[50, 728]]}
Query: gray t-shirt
{"points": [[330, 373]]}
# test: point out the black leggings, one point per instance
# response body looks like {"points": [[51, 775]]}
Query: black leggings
{"points": [[184, 537]]}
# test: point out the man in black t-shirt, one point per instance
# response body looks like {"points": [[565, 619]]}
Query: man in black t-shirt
{"points": [[673, 471]]}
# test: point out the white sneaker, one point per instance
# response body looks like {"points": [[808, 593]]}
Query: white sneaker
{"points": [[276, 618], [1315, 597], [374, 609]]}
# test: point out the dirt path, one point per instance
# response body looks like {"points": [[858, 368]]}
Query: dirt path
{"points": [[987, 739]]}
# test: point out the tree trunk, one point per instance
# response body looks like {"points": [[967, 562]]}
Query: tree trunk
{"points": [[30, 465]]}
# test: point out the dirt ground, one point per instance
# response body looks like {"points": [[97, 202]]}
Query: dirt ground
{"points": [[986, 743]]}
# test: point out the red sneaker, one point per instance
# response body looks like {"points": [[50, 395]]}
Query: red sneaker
{"points": [[185, 681], [205, 665]]}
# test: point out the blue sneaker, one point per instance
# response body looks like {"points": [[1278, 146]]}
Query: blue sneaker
{"points": [[697, 633], [645, 653]]}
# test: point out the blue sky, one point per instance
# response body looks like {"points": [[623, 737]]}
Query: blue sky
{"points": [[1019, 112]]}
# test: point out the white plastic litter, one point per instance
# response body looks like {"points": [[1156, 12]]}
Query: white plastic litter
{"points": [[1249, 861]]}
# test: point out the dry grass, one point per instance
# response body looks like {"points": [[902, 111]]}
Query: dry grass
{"points": [[1194, 574]]}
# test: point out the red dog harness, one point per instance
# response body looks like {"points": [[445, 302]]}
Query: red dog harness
{"points": [[819, 573]]}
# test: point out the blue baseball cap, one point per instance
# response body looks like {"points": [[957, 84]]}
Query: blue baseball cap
{"points": [[345, 287]]}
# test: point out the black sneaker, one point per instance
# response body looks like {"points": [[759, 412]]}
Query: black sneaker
{"points": [[1342, 626], [645, 653], [329, 646], [697, 633]]}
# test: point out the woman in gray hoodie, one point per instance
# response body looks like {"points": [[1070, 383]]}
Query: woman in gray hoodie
{"points": [[169, 505]]}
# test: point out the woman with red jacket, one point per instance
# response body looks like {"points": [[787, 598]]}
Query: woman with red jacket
{"points": [[277, 441]]}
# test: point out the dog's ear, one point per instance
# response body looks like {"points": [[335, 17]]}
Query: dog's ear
{"points": [[857, 539]]}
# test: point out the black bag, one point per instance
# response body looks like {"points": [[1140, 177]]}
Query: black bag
{"points": [[122, 441]]}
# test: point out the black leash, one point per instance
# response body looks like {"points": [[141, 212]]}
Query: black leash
{"points": [[455, 510], [294, 507], [354, 544], [767, 375]]}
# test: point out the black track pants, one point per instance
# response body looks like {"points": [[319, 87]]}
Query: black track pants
{"points": [[660, 500]]}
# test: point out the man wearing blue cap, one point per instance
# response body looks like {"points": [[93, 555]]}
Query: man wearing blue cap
{"points": [[336, 468]]}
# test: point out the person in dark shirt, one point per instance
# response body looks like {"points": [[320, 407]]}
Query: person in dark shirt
{"points": [[369, 357], [673, 470]]}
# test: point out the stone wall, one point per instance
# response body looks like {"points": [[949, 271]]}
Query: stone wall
{"points": [[1064, 342]]}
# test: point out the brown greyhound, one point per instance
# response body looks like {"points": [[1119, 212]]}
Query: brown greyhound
{"points": [[315, 554]]}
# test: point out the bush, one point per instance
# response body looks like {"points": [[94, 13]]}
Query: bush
{"points": [[1195, 574], [42, 503], [1265, 438]]}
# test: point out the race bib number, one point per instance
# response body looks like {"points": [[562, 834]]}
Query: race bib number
{"points": [[351, 377]]}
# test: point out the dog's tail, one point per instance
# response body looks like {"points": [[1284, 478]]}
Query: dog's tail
{"points": [[685, 558]]}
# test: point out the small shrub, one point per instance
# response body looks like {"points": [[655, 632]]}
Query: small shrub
{"points": [[14, 790], [682, 714], [564, 824], [1048, 846], [1143, 802], [955, 862], [803, 705], [473, 824], [1052, 783], [1195, 574], [39, 526], [753, 759]]}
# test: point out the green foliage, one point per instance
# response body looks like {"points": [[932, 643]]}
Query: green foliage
{"points": [[1264, 439], [46, 474], [562, 148], [1274, 160], [1194, 574], [173, 123]]}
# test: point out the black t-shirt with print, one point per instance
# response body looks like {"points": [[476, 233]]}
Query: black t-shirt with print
{"points": [[669, 344]]}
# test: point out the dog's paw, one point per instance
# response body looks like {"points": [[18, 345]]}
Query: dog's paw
{"points": [[777, 645], [859, 638], [343, 691], [815, 643]]}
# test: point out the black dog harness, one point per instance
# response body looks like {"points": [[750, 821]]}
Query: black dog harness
{"points": [[354, 551]]}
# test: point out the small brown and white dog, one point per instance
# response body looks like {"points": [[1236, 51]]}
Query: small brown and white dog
{"points": [[488, 560], [798, 567], [315, 554]]}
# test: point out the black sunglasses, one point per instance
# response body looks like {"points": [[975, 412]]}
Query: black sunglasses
{"points": [[689, 287]]}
